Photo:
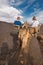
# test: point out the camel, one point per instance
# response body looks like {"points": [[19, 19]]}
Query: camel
{"points": [[26, 32], [24, 35]]}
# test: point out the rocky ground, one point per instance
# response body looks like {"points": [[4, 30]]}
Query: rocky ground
{"points": [[10, 49]]}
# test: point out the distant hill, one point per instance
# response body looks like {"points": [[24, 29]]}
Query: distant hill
{"points": [[6, 29]]}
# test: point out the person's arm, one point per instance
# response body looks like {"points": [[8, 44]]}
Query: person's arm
{"points": [[14, 22], [31, 24]]}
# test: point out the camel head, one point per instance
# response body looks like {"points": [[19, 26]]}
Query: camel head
{"points": [[24, 35]]}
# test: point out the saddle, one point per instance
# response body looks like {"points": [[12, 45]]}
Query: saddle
{"points": [[34, 31]]}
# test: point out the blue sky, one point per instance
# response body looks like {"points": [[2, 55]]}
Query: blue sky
{"points": [[28, 6], [25, 8]]}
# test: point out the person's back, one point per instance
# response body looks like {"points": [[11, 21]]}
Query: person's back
{"points": [[34, 26], [35, 22], [18, 22]]}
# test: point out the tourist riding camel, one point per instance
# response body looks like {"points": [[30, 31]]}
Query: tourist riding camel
{"points": [[18, 22], [34, 29]]}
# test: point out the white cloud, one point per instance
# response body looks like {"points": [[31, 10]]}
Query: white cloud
{"points": [[36, 6], [4, 2], [35, 12], [40, 16], [16, 2], [7, 12], [29, 3]]}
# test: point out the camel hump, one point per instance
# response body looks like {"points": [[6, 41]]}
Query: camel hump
{"points": [[40, 37]]}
